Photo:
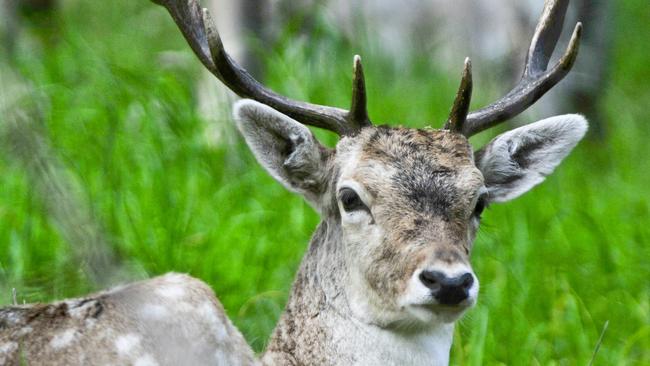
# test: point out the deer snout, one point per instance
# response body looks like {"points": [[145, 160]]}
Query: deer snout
{"points": [[448, 290]]}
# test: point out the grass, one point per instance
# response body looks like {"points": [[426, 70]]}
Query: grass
{"points": [[124, 141]]}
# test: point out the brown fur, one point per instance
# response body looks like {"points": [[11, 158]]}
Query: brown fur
{"points": [[423, 162]]}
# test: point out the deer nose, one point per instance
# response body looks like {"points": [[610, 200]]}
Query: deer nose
{"points": [[447, 290]]}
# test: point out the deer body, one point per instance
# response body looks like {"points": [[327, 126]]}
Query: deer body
{"points": [[387, 272], [169, 320]]}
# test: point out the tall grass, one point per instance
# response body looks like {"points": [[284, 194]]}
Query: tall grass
{"points": [[117, 92]]}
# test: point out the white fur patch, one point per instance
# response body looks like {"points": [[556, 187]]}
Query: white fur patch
{"points": [[424, 347], [125, 344], [184, 307], [174, 292], [8, 347], [154, 311], [226, 358], [145, 360], [63, 339], [209, 315]]}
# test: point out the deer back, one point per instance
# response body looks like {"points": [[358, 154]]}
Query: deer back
{"points": [[169, 320]]}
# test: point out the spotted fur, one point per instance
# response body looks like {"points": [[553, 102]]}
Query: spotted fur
{"points": [[168, 320]]}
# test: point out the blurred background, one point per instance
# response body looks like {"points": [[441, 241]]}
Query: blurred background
{"points": [[118, 159]]}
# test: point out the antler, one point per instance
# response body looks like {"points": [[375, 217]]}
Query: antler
{"points": [[536, 80], [200, 32], [458, 114]]}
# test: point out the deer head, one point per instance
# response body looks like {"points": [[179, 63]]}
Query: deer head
{"points": [[402, 205]]}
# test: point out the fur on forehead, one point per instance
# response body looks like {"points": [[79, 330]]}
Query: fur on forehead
{"points": [[430, 171], [443, 149]]}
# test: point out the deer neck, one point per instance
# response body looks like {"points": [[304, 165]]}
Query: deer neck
{"points": [[319, 324]]}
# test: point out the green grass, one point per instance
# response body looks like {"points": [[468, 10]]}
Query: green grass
{"points": [[120, 125]]}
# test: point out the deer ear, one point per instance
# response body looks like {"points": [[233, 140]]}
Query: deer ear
{"points": [[516, 161], [284, 147]]}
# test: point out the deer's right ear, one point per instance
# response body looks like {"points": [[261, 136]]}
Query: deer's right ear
{"points": [[284, 147]]}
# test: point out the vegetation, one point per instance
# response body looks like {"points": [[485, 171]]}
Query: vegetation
{"points": [[120, 127]]}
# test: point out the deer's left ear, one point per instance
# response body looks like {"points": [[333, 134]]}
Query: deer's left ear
{"points": [[284, 147], [516, 161]]}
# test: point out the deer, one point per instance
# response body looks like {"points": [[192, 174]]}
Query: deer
{"points": [[387, 272]]}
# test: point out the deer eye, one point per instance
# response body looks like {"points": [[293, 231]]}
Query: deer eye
{"points": [[481, 205], [351, 200]]}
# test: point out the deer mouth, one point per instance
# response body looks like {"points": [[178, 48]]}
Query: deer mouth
{"points": [[445, 308], [446, 313]]}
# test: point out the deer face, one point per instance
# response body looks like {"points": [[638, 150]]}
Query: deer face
{"points": [[408, 202]]}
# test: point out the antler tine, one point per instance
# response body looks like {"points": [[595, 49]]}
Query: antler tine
{"points": [[458, 113], [537, 79], [547, 33], [201, 34], [358, 110]]}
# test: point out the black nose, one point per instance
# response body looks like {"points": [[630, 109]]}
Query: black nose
{"points": [[447, 290]]}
